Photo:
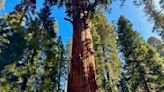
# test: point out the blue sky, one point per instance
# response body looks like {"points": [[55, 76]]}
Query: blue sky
{"points": [[133, 13]]}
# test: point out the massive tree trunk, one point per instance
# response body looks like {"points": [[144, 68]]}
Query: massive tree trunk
{"points": [[82, 72]]}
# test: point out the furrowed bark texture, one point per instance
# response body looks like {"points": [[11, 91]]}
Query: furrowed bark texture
{"points": [[82, 72]]}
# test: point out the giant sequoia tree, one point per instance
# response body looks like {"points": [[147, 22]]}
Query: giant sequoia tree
{"points": [[108, 65], [82, 72]]}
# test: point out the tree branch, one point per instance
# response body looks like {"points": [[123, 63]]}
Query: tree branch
{"points": [[68, 20]]}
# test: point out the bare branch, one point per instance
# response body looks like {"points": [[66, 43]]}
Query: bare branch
{"points": [[68, 20]]}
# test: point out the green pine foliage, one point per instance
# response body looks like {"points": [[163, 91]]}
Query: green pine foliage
{"points": [[143, 64], [35, 54], [108, 65], [154, 14]]}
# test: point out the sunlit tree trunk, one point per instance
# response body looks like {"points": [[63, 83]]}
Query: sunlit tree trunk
{"points": [[82, 72]]}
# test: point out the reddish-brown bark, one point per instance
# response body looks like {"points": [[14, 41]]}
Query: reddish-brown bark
{"points": [[82, 72]]}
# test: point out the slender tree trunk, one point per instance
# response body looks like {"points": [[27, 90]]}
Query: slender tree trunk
{"points": [[107, 69], [59, 75], [58, 86], [82, 72], [143, 78], [141, 74], [122, 85], [65, 86], [26, 76]]}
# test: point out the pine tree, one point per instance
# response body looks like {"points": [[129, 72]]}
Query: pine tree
{"points": [[53, 52], [42, 55], [153, 14], [143, 66], [108, 65]]}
